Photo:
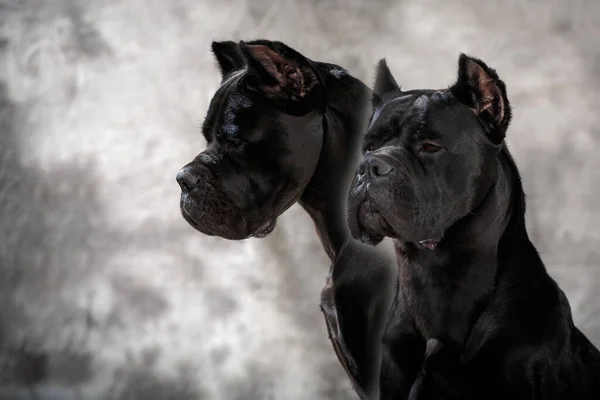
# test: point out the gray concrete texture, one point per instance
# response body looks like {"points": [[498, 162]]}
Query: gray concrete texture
{"points": [[106, 292]]}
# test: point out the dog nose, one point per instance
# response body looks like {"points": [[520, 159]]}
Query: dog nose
{"points": [[186, 179], [379, 167], [375, 167]]}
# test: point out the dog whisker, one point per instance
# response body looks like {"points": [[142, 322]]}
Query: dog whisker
{"points": [[316, 191]]}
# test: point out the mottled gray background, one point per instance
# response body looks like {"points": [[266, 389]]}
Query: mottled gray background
{"points": [[105, 291]]}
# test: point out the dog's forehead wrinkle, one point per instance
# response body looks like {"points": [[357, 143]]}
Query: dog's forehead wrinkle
{"points": [[421, 102], [385, 105], [338, 72], [234, 103], [419, 108], [414, 119], [387, 150], [409, 112], [228, 102], [443, 95]]}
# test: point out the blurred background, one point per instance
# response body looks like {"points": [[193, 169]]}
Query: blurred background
{"points": [[106, 293]]}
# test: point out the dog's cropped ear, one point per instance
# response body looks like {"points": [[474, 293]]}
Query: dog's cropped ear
{"points": [[479, 87], [279, 76], [228, 56], [384, 82]]}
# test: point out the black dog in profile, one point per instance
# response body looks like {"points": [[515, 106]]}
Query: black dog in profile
{"points": [[476, 316], [283, 129]]}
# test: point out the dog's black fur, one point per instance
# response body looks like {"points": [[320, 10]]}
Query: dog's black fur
{"points": [[476, 316], [283, 128]]}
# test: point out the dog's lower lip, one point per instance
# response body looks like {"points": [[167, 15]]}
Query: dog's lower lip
{"points": [[188, 217], [430, 244], [265, 229]]}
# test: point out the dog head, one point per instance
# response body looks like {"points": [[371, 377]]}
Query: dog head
{"points": [[429, 156], [264, 137]]}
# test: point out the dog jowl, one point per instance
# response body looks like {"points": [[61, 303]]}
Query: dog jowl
{"points": [[258, 158], [476, 314]]}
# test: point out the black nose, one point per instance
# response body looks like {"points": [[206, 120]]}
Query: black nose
{"points": [[186, 179], [374, 167]]}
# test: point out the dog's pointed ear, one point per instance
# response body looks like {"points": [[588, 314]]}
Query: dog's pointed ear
{"points": [[479, 87], [384, 81], [283, 75], [228, 56]]}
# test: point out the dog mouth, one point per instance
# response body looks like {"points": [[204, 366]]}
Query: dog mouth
{"points": [[370, 221], [236, 226], [190, 220], [372, 227], [228, 224], [429, 244], [362, 215], [367, 224], [265, 229]]}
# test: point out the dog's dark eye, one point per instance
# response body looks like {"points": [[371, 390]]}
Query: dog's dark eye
{"points": [[251, 89], [235, 142], [429, 147], [246, 86], [369, 148]]}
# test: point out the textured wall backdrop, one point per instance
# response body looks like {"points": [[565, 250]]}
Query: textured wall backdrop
{"points": [[106, 293]]}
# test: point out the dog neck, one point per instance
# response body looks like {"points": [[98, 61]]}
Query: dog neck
{"points": [[447, 288], [344, 122]]}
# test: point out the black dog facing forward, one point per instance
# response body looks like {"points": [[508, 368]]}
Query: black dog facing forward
{"points": [[283, 129], [476, 316]]}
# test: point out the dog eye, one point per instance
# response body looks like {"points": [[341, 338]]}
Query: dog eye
{"points": [[368, 148], [235, 142], [429, 147], [251, 89], [244, 85]]}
